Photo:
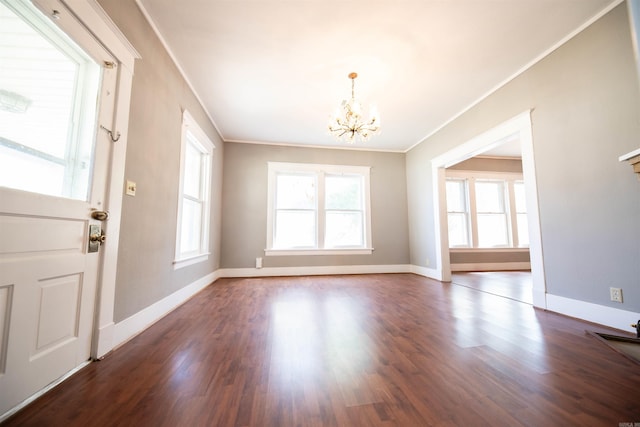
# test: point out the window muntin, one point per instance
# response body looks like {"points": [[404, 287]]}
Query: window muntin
{"points": [[496, 210], [48, 92], [192, 236], [316, 209]]}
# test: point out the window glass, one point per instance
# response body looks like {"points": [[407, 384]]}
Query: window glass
{"points": [[295, 229], [193, 168], [296, 191], [456, 195], [344, 229], [489, 196], [458, 230], [492, 230], [343, 192], [191, 224]]}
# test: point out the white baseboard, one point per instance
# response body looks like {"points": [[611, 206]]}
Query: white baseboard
{"points": [[431, 273], [492, 266], [600, 314], [130, 327], [313, 271], [104, 340]]}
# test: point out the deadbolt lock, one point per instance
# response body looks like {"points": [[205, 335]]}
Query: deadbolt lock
{"points": [[100, 215], [96, 237]]}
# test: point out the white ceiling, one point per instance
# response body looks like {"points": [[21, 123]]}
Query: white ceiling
{"points": [[273, 71]]}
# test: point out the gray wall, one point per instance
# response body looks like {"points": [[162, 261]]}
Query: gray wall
{"points": [[147, 242], [586, 110], [245, 205]]}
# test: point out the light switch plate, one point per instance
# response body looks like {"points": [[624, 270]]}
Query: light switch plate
{"points": [[131, 188]]}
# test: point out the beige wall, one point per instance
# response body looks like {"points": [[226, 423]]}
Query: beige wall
{"points": [[245, 205], [585, 114], [147, 243]]}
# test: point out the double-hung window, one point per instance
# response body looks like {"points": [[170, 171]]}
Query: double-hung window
{"points": [[486, 210], [318, 209], [192, 236]]}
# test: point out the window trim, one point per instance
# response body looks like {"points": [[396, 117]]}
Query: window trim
{"points": [[321, 170], [206, 147], [509, 179]]}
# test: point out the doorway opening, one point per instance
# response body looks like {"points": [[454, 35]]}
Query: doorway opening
{"points": [[493, 141]]}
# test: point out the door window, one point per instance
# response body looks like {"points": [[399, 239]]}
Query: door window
{"points": [[48, 97]]}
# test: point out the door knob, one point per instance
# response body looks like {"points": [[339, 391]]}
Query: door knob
{"points": [[100, 238]]}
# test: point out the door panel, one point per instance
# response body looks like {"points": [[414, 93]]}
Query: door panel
{"points": [[48, 279]]}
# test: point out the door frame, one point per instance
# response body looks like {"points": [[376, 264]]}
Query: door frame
{"points": [[93, 17], [521, 126]]}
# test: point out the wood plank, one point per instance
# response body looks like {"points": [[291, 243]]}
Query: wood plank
{"points": [[384, 350]]}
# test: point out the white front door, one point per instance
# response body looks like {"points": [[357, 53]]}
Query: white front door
{"points": [[57, 86]]}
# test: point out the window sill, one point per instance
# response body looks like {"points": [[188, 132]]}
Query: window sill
{"points": [[190, 260], [477, 250], [304, 252]]}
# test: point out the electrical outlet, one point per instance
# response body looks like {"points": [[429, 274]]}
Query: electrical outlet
{"points": [[615, 294], [427, 262]]}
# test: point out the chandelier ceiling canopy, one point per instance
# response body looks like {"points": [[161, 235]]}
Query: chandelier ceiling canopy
{"points": [[348, 124]]}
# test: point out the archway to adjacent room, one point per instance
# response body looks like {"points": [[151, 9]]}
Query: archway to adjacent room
{"points": [[519, 128]]}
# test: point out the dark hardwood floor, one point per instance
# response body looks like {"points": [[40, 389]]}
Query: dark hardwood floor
{"points": [[516, 285], [371, 350]]}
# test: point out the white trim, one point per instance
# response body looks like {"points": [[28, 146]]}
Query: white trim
{"points": [[431, 273], [630, 155], [135, 324], [600, 314], [520, 125], [105, 30], [526, 67], [184, 262], [205, 148], [303, 252], [491, 266], [488, 250], [314, 270], [104, 339], [352, 147], [319, 173]]}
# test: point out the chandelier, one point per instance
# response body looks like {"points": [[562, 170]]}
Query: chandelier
{"points": [[347, 123]]}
